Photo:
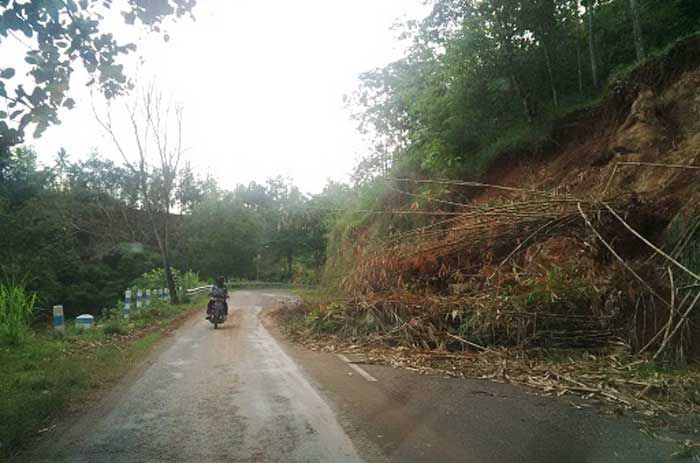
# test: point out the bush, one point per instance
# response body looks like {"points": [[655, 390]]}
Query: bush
{"points": [[155, 279], [115, 326], [16, 312]]}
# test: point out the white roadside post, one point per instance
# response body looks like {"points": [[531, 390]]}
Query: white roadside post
{"points": [[84, 322], [167, 294], [58, 321], [147, 297], [127, 304], [139, 299]]}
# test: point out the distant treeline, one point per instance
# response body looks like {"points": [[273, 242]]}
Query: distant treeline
{"points": [[75, 232]]}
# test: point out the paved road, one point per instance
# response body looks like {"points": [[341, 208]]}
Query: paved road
{"points": [[238, 394]]}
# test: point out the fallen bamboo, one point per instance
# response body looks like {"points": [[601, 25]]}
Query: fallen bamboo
{"points": [[476, 185], [666, 341], [651, 245], [622, 261], [643, 164], [464, 341]]}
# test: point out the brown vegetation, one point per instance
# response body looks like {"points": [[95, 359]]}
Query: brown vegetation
{"points": [[591, 246]]}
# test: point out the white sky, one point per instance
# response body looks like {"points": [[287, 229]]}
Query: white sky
{"points": [[262, 84]]}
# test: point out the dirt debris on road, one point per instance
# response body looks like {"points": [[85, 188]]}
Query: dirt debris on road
{"points": [[663, 403]]}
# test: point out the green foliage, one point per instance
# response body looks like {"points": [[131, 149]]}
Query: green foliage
{"points": [[479, 76], [265, 231], [324, 319], [16, 312], [115, 326], [64, 34], [78, 233], [155, 279]]}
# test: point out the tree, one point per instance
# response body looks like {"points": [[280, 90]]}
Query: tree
{"points": [[61, 34], [224, 237], [288, 233], [591, 42], [637, 28], [152, 120]]}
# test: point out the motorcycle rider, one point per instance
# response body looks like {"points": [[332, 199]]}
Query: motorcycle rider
{"points": [[218, 291]]}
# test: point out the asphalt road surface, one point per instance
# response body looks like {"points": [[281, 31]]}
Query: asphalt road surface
{"points": [[242, 394]]}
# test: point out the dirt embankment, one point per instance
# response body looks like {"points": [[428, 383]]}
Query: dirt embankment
{"points": [[590, 241]]}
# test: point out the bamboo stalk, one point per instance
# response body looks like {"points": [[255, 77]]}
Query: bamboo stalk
{"points": [[475, 185], [651, 245], [643, 164], [668, 339], [622, 261]]}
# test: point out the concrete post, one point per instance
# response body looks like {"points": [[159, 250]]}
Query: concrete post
{"points": [[127, 304], [139, 299], [58, 321]]}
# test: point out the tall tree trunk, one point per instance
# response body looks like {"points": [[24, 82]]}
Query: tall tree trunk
{"points": [[164, 255], [591, 46], [637, 29], [579, 61], [524, 99], [169, 278], [550, 72], [289, 266], [162, 241]]}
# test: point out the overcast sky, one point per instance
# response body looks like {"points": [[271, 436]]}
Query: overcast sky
{"points": [[262, 84]]}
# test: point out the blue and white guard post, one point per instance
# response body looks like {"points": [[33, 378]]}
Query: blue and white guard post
{"points": [[127, 304], [139, 299], [58, 321]]}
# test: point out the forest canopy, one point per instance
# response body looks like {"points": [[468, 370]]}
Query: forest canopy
{"points": [[485, 77]]}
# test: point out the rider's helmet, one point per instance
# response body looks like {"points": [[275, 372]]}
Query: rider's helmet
{"points": [[220, 280]]}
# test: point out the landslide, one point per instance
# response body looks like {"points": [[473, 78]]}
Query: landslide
{"points": [[588, 240]]}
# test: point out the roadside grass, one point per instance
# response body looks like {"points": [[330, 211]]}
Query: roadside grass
{"points": [[49, 375], [16, 312], [302, 321]]}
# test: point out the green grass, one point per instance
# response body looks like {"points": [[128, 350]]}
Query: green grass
{"points": [[16, 312], [47, 375]]}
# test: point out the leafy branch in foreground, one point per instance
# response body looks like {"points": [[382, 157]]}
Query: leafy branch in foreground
{"points": [[59, 34]]}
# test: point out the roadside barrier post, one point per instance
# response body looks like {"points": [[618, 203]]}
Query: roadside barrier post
{"points": [[84, 322], [167, 294], [58, 322], [127, 304], [139, 299]]}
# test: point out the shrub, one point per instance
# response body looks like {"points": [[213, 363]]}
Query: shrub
{"points": [[16, 312], [115, 326], [155, 279]]}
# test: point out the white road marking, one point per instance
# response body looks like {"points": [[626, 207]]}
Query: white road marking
{"points": [[355, 367]]}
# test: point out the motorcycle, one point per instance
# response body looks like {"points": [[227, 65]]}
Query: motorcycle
{"points": [[217, 312]]}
